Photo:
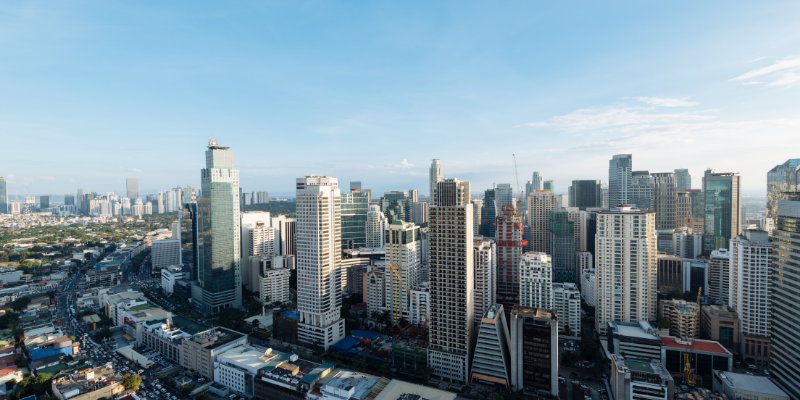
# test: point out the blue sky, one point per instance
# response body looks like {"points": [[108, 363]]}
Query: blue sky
{"points": [[93, 92]]}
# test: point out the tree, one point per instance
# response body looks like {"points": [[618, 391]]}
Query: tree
{"points": [[20, 303], [185, 390], [424, 372], [10, 384], [72, 337], [102, 334], [202, 396], [403, 322], [131, 381], [20, 361], [664, 323]]}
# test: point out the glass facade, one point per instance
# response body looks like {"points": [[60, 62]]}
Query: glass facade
{"points": [[781, 179], [218, 233], [785, 344], [586, 194], [684, 180], [562, 244], [189, 240], [505, 196], [355, 206], [489, 214], [549, 185], [620, 168], [3, 196], [718, 215], [396, 206]]}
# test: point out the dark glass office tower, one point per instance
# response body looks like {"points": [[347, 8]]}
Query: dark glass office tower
{"points": [[619, 179], [44, 202], [189, 240], [723, 205], [218, 237], [785, 274], [489, 213], [562, 245], [3, 196], [396, 206], [69, 199], [781, 180], [586, 194], [355, 206]]}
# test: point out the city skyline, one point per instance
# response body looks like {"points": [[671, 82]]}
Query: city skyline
{"points": [[661, 84]]}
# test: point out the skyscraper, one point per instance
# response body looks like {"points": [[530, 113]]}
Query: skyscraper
{"points": [[450, 271], [785, 297], [133, 188], [44, 202], [355, 185], [626, 269], [665, 200], [780, 180], [190, 239], [436, 175], [719, 273], [505, 197], [537, 181], [79, 201], [396, 206], [509, 241], [489, 213], [376, 227], [477, 209], [549, 185], [218, 208], [404, 253], [3, 196], [319, 253], [485, 266], [586, 194], [536, 281], [540, 203], [642, 191], [684, 180], [253, 245], [751, 292], [355, 206], [562, 245], [414, 195], [69, 199], [619, 179], [723, 200], [534, 350]]}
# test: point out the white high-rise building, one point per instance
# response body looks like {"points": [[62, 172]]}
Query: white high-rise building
{"points": [[133, 188], [537, 182], [404, 253], [719, 273], [253, 245], [165, 253], [477, 204], [567, 303], [419, 212], [536, 281], [620, 169], [750, 282], [422, 295], [485, 261], [285, 235], [273, 277], [451, 274], [161, 206], [148, 208], [436, 175], [319, 252], [583, 261], [589, 287], [626, 266], [376, 227]]}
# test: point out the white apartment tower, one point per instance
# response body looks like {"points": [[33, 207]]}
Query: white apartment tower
{"points": [[485, 261], [319, 252], [404, 253], [536, 281], [451, 274], [477, 204], [436, 175], [719, 276], [253, 245], [376, 227], [626, 266], [750, 285], [567, 303]]}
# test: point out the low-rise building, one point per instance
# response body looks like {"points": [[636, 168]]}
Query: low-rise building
{"points": [[287, 377], [273, 277], [400, 390], [346, 384], [704, 355], [750, 387], [88, 384], [633, 340], [640, 380], [199, 352], [238, 367], [683, 317], [161, 335], [169, 276], [720, 324], [492, 361], [104, 276]]}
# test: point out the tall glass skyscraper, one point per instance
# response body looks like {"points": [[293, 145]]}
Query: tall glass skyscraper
{"points": [[218, 226], [538, 182], [586, 194], [189, 239], [396, 206], [684, 180], [505, 196], [785, 273], [489, 213], [781, 179], [69, 199], [619, 179], [549, 185], [133, 188], [355, 206], [562, 245], [3, 196], [723, 201]]}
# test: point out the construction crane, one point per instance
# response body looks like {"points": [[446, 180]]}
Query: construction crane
{"points": [[688, 371], [397, 274], [516, 174]]}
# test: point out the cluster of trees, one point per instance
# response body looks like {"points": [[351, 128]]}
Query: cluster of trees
{"points": [[32, 385], [131, 381], [104, 333]]}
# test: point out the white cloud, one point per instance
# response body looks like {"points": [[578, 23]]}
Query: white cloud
{"points": [[784, 72], [10, 177], [47, 178], [667, 102], [756, 59], [615, 116], [405, 164]]}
